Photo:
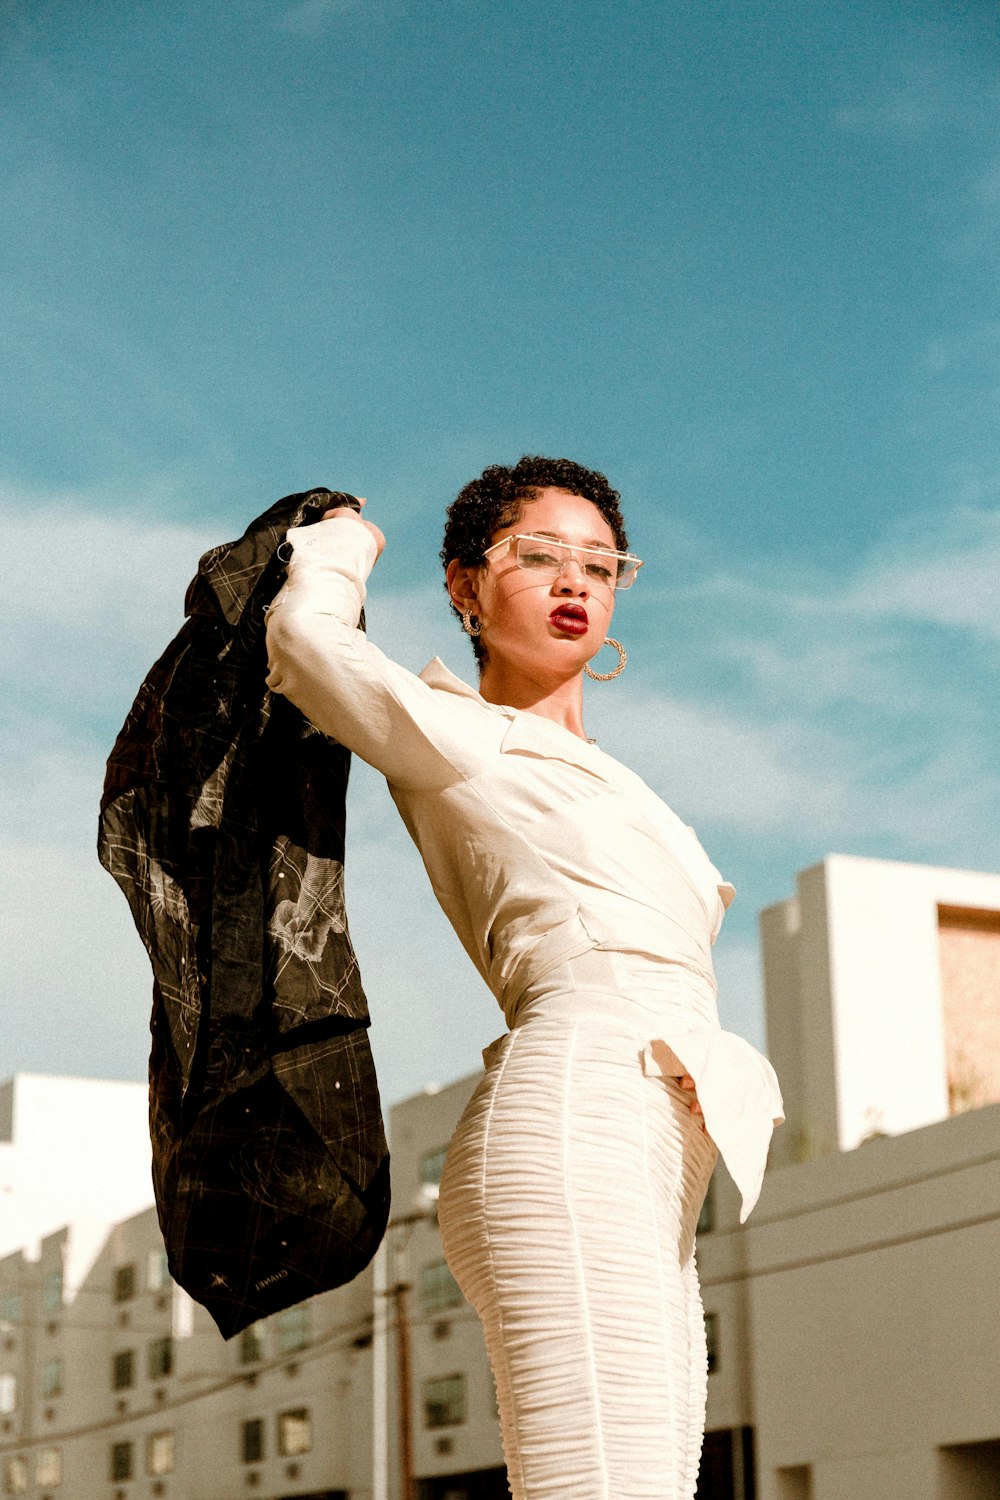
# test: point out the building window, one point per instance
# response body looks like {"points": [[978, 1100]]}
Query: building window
{"points": [[438, 1288], [160, 1358], [293, 1328], [121, 1461], [15, 1475], [795, 1483], [712, 1341], [123, 1289], [52, 1377], [10, 1310], [48, 1469], [160, 1453], [252, 1440], [966, 1469], [157, 1270], [52, 1291], [123, 1370], [728, 1465], [294, 1432], [444, 1401], [969, 966], [432, 1165], [252, 1346], [183, 1318], [8, 1395]]}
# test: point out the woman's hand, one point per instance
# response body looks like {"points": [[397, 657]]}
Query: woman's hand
{"points": [[687, 1082], [347, 513]]}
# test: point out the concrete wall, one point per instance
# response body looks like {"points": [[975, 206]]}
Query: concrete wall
{"points": [[875, 1337], [795, 941]]}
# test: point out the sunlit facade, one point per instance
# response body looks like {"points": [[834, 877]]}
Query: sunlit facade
{"points": [[853, 1329]]}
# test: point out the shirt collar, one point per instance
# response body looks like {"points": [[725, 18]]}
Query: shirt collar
{"points": [[528, 734], [437, 675]]}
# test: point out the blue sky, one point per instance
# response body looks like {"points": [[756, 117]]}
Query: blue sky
{"points": [[743, 258]]}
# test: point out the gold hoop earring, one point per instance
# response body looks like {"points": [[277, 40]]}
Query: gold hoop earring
{"points": [[622, 659], [471, 623]]}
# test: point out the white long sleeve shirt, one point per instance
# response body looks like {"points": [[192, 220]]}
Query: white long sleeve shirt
{"points": [[538, 845]]}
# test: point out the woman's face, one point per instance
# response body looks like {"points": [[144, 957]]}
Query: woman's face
{"points": [[546, 628]]}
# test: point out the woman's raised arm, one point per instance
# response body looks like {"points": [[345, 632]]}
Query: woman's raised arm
{"points": [[320, 660]]}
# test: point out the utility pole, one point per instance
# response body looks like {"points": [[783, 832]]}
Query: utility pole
{"points": [[401, 1297], [393, 1284], [380, 1364]]}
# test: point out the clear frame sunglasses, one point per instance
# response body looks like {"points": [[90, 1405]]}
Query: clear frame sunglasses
{"points": [[548, 557]]}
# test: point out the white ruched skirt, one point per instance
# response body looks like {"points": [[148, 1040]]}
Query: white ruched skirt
{"points": [[568, 1209]]}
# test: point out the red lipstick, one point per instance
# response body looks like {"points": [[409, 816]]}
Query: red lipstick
{"points": [[570, 619]]}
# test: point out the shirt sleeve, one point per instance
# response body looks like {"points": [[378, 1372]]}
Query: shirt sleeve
{"points": [[345, 686]]}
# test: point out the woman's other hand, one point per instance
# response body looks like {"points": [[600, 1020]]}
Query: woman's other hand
{"points": [[687, 1082], [347, 513]]}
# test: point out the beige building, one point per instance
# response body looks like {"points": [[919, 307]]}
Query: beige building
{"points": [[853, 1323], [126, 1389], [113, 1383]]}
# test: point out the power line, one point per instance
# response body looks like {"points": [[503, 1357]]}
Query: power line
{"points": [[851, 1252], [342, 1336], [843, 1200]]}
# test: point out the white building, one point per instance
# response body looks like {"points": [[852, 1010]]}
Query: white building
{"points": [[882, 992], [72, 1151], [853, 1323], [112, 1381], [125, 1388]]}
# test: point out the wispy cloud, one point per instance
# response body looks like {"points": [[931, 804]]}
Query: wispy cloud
{"points": [[100, 555], [717, 764], [951, 576], [932, 110], [75, 976], [773, 750], [943, 569], [826, 716], [927, 100], [854, 709], [987, 186], [312, 17], [101, 595]]}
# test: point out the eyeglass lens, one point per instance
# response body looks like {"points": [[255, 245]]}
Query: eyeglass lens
{"points": [[609, 568]]}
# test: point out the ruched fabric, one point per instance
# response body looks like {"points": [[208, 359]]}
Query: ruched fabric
{"points": [[568, 1209], [673, 1007]]}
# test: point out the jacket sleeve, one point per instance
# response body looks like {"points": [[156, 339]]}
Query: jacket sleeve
{"points": [[320, 660]]}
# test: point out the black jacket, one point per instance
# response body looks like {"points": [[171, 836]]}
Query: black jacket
{"points": [[223, 822]]}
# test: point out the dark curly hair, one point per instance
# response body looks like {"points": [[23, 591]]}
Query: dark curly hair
{"points": [[496, 498]]}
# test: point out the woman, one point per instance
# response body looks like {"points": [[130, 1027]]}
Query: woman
{"points": [[576, 1175]]}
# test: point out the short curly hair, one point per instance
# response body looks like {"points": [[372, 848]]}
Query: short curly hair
{"points": [[496, 498]]}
